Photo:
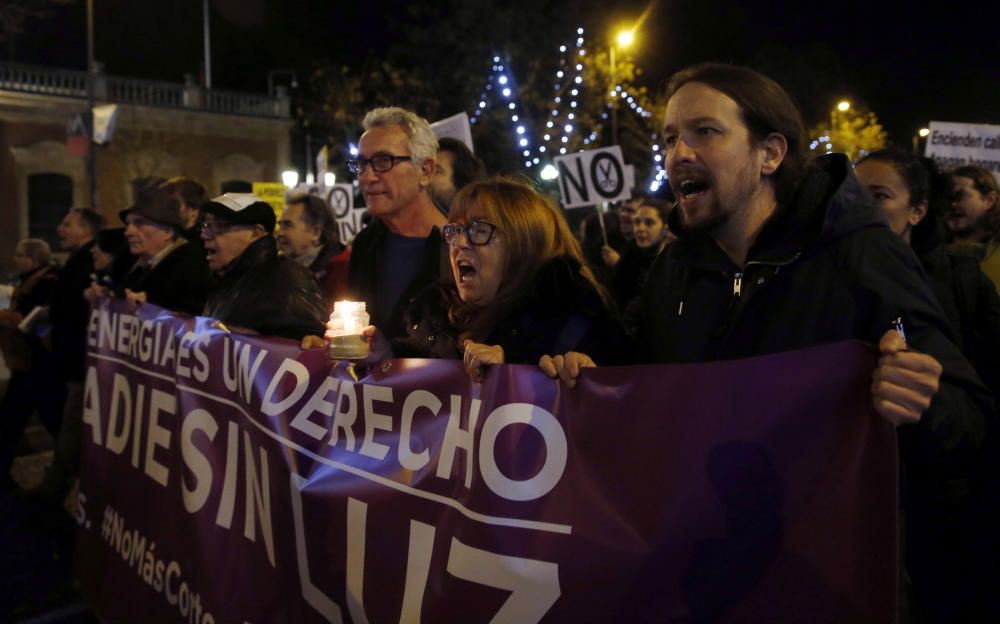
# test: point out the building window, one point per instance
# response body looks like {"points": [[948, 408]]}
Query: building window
{"points": [[50, 196]]}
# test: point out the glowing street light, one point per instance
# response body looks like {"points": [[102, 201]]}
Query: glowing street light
{"points": [[921, 134], [842, 107], [624, 39]]}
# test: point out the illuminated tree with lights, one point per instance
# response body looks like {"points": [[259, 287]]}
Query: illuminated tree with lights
{"points": [[850, 130]]}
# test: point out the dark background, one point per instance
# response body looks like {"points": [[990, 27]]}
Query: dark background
{"points": [[908, 63]]}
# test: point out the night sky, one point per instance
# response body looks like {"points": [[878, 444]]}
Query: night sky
{"points": [[910, 65]]}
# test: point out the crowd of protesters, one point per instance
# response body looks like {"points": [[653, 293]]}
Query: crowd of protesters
{"points": [[757, 250]]}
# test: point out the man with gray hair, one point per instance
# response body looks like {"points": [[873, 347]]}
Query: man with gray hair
{"points": [[402, 251]]}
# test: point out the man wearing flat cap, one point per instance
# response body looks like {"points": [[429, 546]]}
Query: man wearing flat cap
{"points": [[169, 272], [256, 289]]}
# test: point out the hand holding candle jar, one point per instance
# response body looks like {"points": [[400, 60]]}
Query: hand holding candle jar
{"points": [[343, 334]]}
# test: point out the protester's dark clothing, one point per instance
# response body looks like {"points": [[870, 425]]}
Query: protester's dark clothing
{"points": [[34, 289], [35, 389], [179, 282], [559, 311], [631, 272], [972, 305], [270, 295], [825, 267], [33, 384], [329, 269], [368, 268], [593, 242], [398, 271], [193, 237], [69, 313]]}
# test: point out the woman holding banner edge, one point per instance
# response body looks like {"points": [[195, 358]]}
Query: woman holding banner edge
{"points": [[519, 288]]}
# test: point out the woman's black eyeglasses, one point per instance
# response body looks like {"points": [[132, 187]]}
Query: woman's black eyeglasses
{"points": [[478, 232]]}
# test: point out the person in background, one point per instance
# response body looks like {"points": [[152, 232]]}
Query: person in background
{"points": [[651, 235], [191, 196], [32, 366], [974, 219], [950, 540], [112, 262], [519, 287], [308, 235], [612, 253], [456, 167], [592, 235], [69, 312], [402, 251], [914, 198], [168, 272], [256, 289]]}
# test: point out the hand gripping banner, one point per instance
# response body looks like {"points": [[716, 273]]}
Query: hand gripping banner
{"points": [[234, 478]]}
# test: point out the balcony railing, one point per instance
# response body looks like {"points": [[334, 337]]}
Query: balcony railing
{"points": [[71, 83]]}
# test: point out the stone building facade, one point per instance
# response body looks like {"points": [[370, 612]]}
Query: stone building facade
{"points": [[222, 139]]}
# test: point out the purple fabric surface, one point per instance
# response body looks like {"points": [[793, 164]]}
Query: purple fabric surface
{"points": [[759, 490]]}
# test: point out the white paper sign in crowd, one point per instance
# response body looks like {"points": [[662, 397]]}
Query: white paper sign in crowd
{"points": [[957, 144], [593, 177], [455, 127]]}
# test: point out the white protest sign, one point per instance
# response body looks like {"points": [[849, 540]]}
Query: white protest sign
{"points": [[456, 127], [957, 144], [592, 177], [341, 200]]}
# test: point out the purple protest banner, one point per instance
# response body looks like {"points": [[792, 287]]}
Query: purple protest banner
{"points": [[234, 478]]}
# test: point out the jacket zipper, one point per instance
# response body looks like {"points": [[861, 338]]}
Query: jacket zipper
{"points": [[738, 276]]}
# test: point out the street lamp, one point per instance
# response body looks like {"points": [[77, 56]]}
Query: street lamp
{"points": [[842, 107], [623, 39], [921, 134]]}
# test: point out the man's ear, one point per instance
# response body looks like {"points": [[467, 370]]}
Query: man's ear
{"points": [[427, 169], [258, 232], [775, 147]]}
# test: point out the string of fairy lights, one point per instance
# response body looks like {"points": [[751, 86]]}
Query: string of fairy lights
{"points": [[562, 114]]}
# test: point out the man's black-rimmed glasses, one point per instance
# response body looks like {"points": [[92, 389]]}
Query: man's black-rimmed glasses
{"points": [[380, 163]]}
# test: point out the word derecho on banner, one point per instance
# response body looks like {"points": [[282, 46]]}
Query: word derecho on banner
{"points": [[153, 342]]}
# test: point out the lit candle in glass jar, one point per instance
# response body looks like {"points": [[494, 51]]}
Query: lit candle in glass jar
{"points": [[343, 334]]}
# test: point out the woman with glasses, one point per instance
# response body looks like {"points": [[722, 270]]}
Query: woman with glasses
{"points": [[519, 289]]}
